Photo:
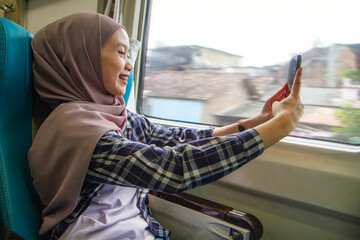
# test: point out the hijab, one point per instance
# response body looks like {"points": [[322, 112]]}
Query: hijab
{"points": [[67, 74]]}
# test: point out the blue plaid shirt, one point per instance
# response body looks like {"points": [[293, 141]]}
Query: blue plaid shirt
{"points": [[149, 156]]}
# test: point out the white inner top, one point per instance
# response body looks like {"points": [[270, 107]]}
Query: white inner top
{"points": [[112, 214]]}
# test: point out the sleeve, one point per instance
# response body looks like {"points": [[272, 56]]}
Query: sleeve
{"points": [[119, 161], [149, 133]]}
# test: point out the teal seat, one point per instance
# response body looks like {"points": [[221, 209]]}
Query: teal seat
{"points": [[20, 207], [128, 87]]}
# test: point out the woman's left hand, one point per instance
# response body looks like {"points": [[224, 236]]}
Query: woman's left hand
{"points": [[263, 116], [266, 113]]}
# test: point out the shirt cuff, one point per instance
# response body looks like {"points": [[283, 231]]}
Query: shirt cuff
{"points": [[253, 141]]}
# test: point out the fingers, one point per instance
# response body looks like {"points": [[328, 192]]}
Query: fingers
{"points": [[278, 96], [295, 92]]}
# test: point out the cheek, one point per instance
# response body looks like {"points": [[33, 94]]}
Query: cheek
{"points": [[109, 70], [108, 78], [113, 67]]}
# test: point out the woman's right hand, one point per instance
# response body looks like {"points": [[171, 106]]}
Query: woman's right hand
{"points": [[292, 105]]}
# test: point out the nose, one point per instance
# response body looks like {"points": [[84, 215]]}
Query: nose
{"points": [[128, 65]]}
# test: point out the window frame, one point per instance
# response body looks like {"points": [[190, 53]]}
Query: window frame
{"points": [[292, 140]]}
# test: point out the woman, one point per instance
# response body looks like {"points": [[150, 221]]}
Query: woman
{"points": [[93, 161]]}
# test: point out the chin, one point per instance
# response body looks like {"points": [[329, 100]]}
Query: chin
{"points": [[120, 93]]}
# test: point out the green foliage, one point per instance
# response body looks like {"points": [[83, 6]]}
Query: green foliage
{"points": [[353, 74], [350, 118]]}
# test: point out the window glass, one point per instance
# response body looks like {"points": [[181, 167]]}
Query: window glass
{"points": [[215, 62]]}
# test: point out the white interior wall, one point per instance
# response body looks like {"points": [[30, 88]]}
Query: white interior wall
{"points": [[42, 12]]}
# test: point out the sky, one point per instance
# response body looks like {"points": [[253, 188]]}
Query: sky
{"points": [[264, 32]]}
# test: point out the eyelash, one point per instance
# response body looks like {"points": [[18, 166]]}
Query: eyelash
{"points": [[123, 53]]}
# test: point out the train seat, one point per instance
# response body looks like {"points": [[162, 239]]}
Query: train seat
{"points": [[20, 207]]}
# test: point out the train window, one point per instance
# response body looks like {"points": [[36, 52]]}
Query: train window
{"points": [[215, 62]]}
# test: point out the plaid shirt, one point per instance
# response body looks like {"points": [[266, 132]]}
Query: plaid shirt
{"points": [[148, 156]]}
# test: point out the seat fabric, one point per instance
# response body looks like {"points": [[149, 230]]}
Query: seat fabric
{"points": [[20, 206]]}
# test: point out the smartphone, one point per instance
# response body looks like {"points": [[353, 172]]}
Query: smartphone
{"points": [[294, 65]]}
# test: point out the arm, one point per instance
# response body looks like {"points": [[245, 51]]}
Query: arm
{"points": [[119, 161], [247, 124], [149, 133], [278, 117], [263, 116]]}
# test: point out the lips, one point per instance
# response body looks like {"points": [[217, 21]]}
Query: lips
{"points": [[124, 78]]}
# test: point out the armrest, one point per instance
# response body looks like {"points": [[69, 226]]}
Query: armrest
{"points": [[217, 211]]}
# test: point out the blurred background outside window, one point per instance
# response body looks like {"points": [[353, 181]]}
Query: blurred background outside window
{"points": [[216, 62]]}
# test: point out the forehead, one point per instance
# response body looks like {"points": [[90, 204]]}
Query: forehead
{"points": [[120, 37]]}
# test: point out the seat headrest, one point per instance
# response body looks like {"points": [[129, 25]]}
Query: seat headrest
{"points": [[15, 69]]}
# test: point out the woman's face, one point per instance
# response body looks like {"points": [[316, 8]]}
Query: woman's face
{"points": [[116, 66]]}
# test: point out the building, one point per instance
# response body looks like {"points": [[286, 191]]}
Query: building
{"points": [[190, 57]]}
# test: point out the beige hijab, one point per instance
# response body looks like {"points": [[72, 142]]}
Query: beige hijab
{"points": [[67, 75]]}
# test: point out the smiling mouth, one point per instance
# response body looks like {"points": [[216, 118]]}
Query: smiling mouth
{"points": [[125, 78]]}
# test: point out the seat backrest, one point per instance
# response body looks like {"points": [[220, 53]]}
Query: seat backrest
{"points": [[20, 206]]}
